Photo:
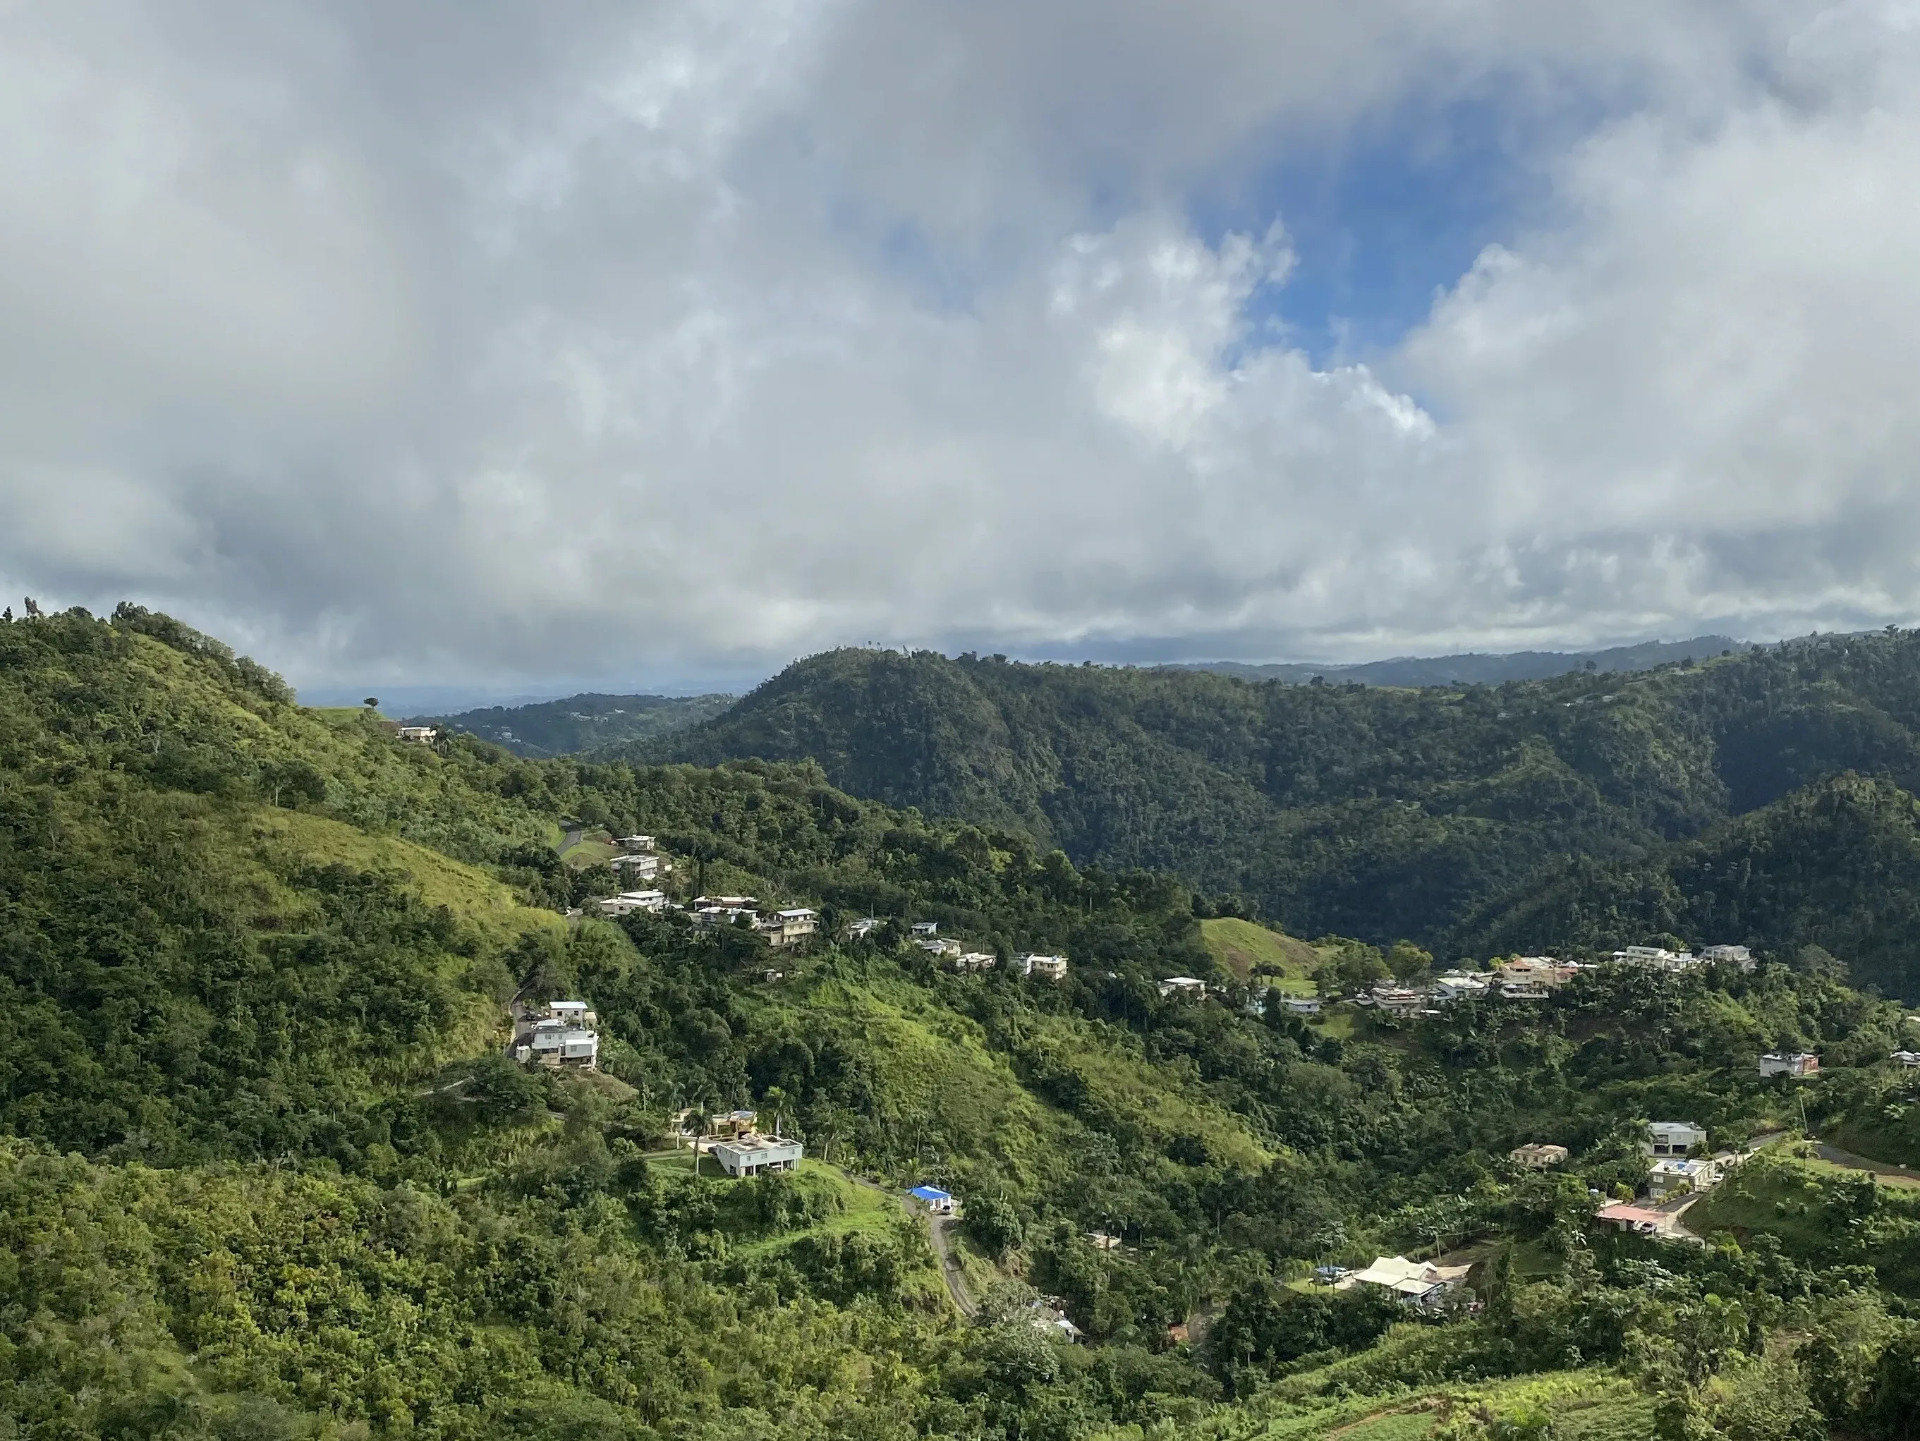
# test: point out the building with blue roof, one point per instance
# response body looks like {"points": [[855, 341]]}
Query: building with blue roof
{"points": [[934, 1199]]}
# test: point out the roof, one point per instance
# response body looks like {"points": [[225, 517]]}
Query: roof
{"points": [[1412, 1278], [929, 1193], [1636, 1215]]}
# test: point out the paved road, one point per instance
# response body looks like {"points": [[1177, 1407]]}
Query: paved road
{"points": [[1896, 1175], [570, 838], [950, 1271]]}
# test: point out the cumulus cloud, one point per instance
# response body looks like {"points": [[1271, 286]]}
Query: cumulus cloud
{"points": [[483, 343]]}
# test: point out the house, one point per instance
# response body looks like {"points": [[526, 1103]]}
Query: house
{"points": [[730, 903], [423, 734], [1416, 1283], [1789, 1063], [1729, 956], [1183, 986], [970, 961], [1327, 1275], [753, 1154], [1047, 968], [730, 1125], [1673, 1138], [1657, 958], [1907, 1060], [1398, 1000], [934, 1199], [1523, 991], [1638, 1220], [576, 1013], [714, 917], [558, 1043], [1538, 1156], [1530, 978], [643, 866], [1672, 1177], [627, 902], [1457, 986], [788, 927], [1103, 1242], [1301, 1005], [925, 928], [859, 930], [937, 945], [635, 843]]}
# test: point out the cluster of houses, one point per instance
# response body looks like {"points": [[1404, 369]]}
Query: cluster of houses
{"points": [[562, 1035], [948, 952], [736, 1143], [787, 926], [1676, 1168], [1530, 978]]}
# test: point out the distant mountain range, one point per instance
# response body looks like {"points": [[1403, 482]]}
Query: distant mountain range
{"points": [[1473, 668], [582, 722]]}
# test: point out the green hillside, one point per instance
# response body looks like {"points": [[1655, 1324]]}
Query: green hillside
{"points": [[580, 723], [1432, 814], [264, 1171]]}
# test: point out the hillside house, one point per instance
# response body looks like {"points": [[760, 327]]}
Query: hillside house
{"points": [[730, 903], [1301, 1005], [925, 928], [1638, 1220], [714, 917], [1396, 1000], [788, 927], [423, 734], [627, 902], [1673, 1138], [753, 1154], [1457, 986], [859, 930], [968, 962], [939, 1202], [937, 946], [1538, 1156], [1188, 986], [558, 1044], [1738, 956], [1047, 968], [1797, 1064], [636, 866], [1657, 958], [730, 1125], [1416, 1283], [635, 843], [1670, 1177], [1907, 1060], [1543, 972]]}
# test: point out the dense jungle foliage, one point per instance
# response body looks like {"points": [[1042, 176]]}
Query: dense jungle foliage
{"points": [[265, 1171], [1708, 800]]}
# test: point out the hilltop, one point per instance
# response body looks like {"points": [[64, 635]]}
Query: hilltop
{"points": [[1476, 668]]}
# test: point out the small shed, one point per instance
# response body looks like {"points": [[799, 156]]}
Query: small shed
{"points": [[934, 1199]]}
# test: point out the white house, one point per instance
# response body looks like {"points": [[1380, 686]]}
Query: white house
{"points": [[1789, 1063], [560, 1043], [788, 927], [627, 902], [970, 961], [1182, 986], [1301, 1005], [753, 1154], [644, 867], [418, 733], [1673, 1138], [1671, 1177], [1907, 1060], [864, 927], [1535, 972], [1047, 968], [939, 1202], [1416, 1283], [1730, 956], [1457, 986], [1657, 958], [1398, 1000], [926, 928], [713, 917], [937, 945], [636, 843]]}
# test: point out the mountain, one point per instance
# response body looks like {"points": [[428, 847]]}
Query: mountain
{"points": [[1476, 669], [265, 1171], [580, 723], [1343, 808]]}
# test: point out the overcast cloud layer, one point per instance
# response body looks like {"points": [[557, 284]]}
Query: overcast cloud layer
{"points": [[481, 342]]}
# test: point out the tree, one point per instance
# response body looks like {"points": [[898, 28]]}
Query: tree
{"points": [[1409, 963]]}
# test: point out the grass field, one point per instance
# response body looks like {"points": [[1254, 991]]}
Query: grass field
{"points": [[1242, 947]]}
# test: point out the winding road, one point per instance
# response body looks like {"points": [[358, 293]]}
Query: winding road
{"points": [[950, 1269]]}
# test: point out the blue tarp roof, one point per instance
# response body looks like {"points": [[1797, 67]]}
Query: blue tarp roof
{"points": [[930, 1193]]}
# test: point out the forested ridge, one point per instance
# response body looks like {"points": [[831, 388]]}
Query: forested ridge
{"points": [[265, 1171], [1640, 803]]}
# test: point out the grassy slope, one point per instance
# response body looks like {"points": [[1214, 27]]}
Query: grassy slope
{"points": [[1240, 946]]}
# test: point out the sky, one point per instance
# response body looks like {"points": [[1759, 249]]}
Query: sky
{"points": [[513, 348]]}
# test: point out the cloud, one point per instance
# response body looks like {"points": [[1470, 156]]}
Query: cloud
{"points": [[471, 342]]}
